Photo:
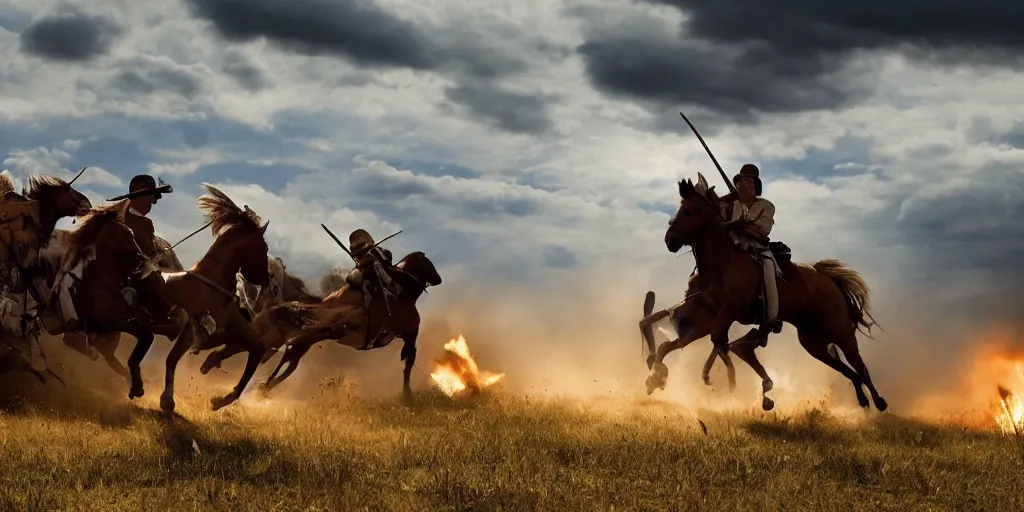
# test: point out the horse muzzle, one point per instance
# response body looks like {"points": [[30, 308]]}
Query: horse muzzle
{"points": [[673, 242]]}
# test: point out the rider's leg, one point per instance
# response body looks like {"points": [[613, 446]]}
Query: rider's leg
{"points": [[771, 301]]}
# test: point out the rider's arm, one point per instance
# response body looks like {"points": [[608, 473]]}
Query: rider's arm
{"points": [[762, 219]]}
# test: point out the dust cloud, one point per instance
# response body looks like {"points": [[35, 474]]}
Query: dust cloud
{"points": [[576, 336]]}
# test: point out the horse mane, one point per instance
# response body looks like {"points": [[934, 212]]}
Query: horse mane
{"points": [[43, 186], [82, 239], [6, 184], [223, 214]]}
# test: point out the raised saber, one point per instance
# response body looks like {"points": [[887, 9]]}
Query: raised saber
{"points": [[728, 183], [343, 247]]}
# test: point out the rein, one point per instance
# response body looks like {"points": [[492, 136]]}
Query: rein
{"points": [[209, 282]]}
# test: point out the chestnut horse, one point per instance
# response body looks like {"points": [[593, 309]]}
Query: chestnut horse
{"points": [[340, 317], [827, 302], [208, 288]]}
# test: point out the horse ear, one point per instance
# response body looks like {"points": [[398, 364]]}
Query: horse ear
{"points": [[702, 184], [264, 228]]}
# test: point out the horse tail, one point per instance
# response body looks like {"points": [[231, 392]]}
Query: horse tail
{"points": [[855, 290]]}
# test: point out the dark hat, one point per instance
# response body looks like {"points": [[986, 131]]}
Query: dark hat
{"points": [[749, 171], [144, 185], [359, 239]]}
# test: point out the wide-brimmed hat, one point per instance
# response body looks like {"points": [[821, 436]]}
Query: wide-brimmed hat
{"points": [[144, 185], [749, 171], [359, 239]]}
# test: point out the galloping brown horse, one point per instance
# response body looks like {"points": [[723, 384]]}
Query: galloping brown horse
{"points": [[104, 344], [827, 302], [339, 317], [27, 224], [209, 288], [106, 246]]}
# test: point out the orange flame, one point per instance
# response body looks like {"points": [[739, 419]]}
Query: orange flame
{"points": [[1008, 411], [456, 370]]}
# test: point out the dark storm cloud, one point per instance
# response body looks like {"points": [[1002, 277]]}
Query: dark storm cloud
{"points": [[364, 34], [357, 30], [735, 84], [69, 36], [511, 111], [749, 56]]}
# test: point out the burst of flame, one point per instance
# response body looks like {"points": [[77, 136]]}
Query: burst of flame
{"points": [[456, 370], [1009, 411]]}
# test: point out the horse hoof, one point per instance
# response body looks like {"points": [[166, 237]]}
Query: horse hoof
{"points": [[263, 389], [221, 402], [167, 404], [881, 404], [707, 380], [136, 393], [767, 404], [767, 386], [651, 385]]}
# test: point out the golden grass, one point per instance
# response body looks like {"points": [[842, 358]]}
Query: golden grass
{"points": [[500, 452]]}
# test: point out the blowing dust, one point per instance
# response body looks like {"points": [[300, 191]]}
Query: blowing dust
{"points": [[577, 337]]}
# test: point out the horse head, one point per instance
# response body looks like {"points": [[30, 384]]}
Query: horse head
{"points": [[104, 237], [239, 236], [420, 268], [273, 292], [57, 198], [698, 211]]}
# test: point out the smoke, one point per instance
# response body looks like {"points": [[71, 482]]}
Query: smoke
{"points": [[576, 334]]}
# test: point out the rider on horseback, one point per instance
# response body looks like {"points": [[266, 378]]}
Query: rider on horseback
{"points": [[370, 272], [143, 193], [751, 218]]}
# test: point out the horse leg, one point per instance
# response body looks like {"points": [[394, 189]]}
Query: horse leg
{"points": [[409, 356], [215, 358], [688, 333], [647, 326], [848, 344], [289, 363], [744, 349], [145, 341], [181, 345], [105, 344], [240, 327], [815, 345], [720, 349]]}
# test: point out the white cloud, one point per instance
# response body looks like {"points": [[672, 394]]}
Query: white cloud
{"points": [[595, 185]]}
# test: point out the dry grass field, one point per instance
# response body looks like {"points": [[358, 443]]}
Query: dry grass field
{"points": [[497, 451]]}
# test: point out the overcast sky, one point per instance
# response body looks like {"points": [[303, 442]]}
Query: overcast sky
{"points": [[525, 138]]}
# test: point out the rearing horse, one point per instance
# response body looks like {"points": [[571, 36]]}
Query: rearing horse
{"points": [[827, 302]]}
